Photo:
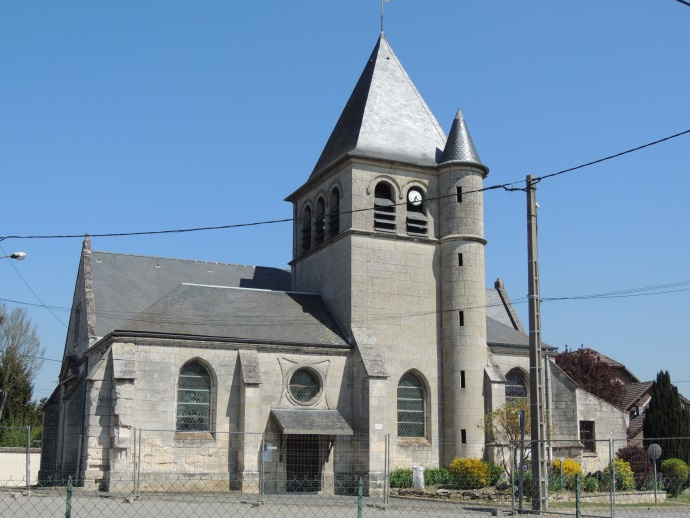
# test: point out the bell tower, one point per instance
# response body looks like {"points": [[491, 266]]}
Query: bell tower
{"points": [[389, 230]]}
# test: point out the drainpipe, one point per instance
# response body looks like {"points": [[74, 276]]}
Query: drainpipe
{"points": [[547, 375]]}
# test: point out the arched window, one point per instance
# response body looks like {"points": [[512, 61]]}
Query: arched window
{"points": [[319, 221], [410, 406], [384, 208], [515, 386], [305, 238], [416, 217], [194, 399], [334, 213]]}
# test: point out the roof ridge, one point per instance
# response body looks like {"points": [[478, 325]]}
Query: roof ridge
{"points": [[179, 259]]}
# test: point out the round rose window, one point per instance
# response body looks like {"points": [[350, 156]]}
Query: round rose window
{"points": [[304, 385]]}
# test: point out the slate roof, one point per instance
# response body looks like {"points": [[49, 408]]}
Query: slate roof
{"points": [[459, 147], [308, 421], [179, 296], [385, 117], [240, 314], [125, 285]]}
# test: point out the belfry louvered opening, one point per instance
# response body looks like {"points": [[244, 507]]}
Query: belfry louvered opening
{"points": [[416, 218], [334, 213], [319, 221], [305, 237], [384, 208]]}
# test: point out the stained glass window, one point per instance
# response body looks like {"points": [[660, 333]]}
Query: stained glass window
{"points": [[304, 385], [410, 407], [194, 399], [515, 386]]}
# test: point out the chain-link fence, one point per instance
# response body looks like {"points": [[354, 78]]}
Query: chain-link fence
{"points": [[162, 472]]}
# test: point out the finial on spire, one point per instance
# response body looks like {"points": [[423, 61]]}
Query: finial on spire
{"points": [[382, 2]]}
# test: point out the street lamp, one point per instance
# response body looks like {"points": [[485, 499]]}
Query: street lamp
{"points": [[19, 256]]}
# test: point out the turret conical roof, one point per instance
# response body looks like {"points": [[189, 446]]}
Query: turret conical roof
{"points": [[385, 117], [459, 147]]}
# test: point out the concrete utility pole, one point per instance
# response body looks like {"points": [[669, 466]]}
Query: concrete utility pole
{"points": [[540, 487]]}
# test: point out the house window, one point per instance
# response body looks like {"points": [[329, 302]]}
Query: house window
{"points": [[194, 399], [384, 208], [306, 229], [458, 194], [410, 407], [516, 388], [334, 213], [416, 218], [319, 221], [304, 386], [587, 436]]}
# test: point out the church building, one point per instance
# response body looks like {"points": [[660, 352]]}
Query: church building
{"points": [[380, 346]]}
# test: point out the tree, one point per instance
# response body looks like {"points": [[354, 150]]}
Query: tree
{"points": [[667, 418], [20, 360], [502, 426], [592, 374]]}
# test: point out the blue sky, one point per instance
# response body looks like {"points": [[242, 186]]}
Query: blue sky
{"points": [[132, 116]]}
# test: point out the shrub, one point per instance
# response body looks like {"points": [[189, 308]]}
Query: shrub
{"points": [[640, 463], [570, 468], [676, 472], [495, 473], [625, 478], [401, 478], [590, 484], [470, 473], [438, 477], [526, 482], [555, 483]]}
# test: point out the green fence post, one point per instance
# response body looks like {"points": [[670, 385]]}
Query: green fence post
{"points": [[577, 496], [68, 510], [360, 493]]}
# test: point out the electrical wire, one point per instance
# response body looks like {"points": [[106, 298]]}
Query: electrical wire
{"points": [[505, 186], [688, 4], [32, 290]]}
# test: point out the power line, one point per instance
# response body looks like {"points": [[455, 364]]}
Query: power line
{"points": [[505, 186], [31, 290], [613, 156], [688, 4]]}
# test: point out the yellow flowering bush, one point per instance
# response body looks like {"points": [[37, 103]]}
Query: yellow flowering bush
{"points": [[470, 473], [570, 468]]}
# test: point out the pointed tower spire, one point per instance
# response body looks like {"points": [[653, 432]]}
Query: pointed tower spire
{"points": [[384, 118], [459, 146]]}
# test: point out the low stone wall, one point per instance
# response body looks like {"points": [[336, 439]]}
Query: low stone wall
{"points": [[502, 497]]}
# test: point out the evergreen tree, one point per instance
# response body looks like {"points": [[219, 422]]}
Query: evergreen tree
{"points": [[667, 418]]}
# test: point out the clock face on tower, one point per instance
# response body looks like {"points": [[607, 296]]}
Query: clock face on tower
{"points": [[414, 196]]}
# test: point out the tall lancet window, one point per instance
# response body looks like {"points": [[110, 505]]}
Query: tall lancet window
{"points": [[416, 214], [410, 406], [384, 208], [194, 399], [334, 213], [516, 388]]}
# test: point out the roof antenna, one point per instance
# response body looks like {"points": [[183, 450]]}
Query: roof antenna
{"points": [[382, 2]]}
